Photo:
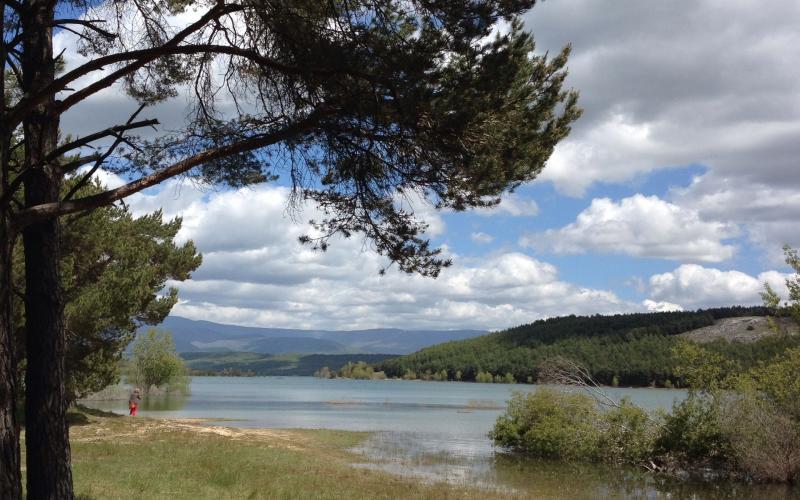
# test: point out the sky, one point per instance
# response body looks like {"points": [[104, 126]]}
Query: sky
{"points": [[676, 189]]}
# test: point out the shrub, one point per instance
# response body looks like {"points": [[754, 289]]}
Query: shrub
{"points": [[628, 435], [550, 424], [692, 432], [765, 440]]}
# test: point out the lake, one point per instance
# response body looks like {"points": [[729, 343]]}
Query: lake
{"points": [[431, 430]]}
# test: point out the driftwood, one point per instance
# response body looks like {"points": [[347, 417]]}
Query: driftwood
{"points": [[564, 371]]}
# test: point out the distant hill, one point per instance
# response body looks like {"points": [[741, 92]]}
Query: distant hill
{"points": [[629, 349], [268, 364], [205, 336]]}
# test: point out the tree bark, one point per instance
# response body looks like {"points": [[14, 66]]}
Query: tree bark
{"points": [[47, 436], [10, 480]]}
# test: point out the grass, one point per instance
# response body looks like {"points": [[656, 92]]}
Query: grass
{"points": [[121, 457]]}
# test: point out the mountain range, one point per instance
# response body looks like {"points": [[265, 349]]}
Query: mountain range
{"points": [[205, 336]]}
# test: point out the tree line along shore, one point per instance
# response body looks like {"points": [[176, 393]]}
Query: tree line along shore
{"points": [[632, 350]]}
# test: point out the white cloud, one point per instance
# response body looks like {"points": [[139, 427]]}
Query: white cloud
{"points": [[705, 82], [612, 151], [640, 226], [653, 306], [480, 237], [770, 213], [514, 205], [256, 273], [709, 83], [692, 286]]}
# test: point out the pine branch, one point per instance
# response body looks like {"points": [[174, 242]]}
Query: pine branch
{"points": [[45, 211]]}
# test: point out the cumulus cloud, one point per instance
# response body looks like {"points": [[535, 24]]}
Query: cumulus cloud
{"points": [[702, 83], [642, 226], [770, 213], [653, 306], [255, 272], [691, 286], [669, 85]]}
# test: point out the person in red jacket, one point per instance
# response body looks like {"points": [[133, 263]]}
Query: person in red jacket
{"points": [[133, 402]]}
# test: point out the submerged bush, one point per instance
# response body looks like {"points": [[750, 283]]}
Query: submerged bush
{"points": [[628, 434], [693, 434], [745, 423], [550, 424]]}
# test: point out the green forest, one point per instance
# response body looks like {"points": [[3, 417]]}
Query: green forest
{"points": [[253, 364], [623, 349]]}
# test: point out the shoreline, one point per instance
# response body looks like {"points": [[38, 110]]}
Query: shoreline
{"points": [[201, 458], [192, 458]]}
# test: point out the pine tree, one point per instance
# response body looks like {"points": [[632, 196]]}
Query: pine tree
{"points": [[358, 103]]}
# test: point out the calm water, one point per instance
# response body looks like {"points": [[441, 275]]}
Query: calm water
{"points": [[433, 430]]}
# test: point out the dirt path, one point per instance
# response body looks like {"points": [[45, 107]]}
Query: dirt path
{"points": [[125, 429]]}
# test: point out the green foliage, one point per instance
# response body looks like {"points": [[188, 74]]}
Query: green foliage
{"points": [[114, 267], [771, 298], [749, 420], [779, 382], [746, 422], [633, 349], [550, 424], [692, 433], [702, 369], [155, 362], [359, 370], [764, 438], [271, 364], [793, 283], [628, 434]]}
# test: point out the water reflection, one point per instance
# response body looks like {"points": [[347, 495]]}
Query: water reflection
{"points": [[424, 457], [151, 403]]}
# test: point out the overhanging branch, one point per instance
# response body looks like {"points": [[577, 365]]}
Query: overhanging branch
{"points": [[88, 23], [26, 105], [119, 140], [111, 131], [145, 56], [38, 213]]}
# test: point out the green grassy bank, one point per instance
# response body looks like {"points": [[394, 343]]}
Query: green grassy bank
{"points": [[122, 457]]}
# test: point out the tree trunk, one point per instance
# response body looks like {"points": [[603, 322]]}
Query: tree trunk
{"points": [[47, 436], [10, 480]]}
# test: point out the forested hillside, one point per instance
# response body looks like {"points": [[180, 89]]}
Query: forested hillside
{"points": [[626, 349], [251, 363]]}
